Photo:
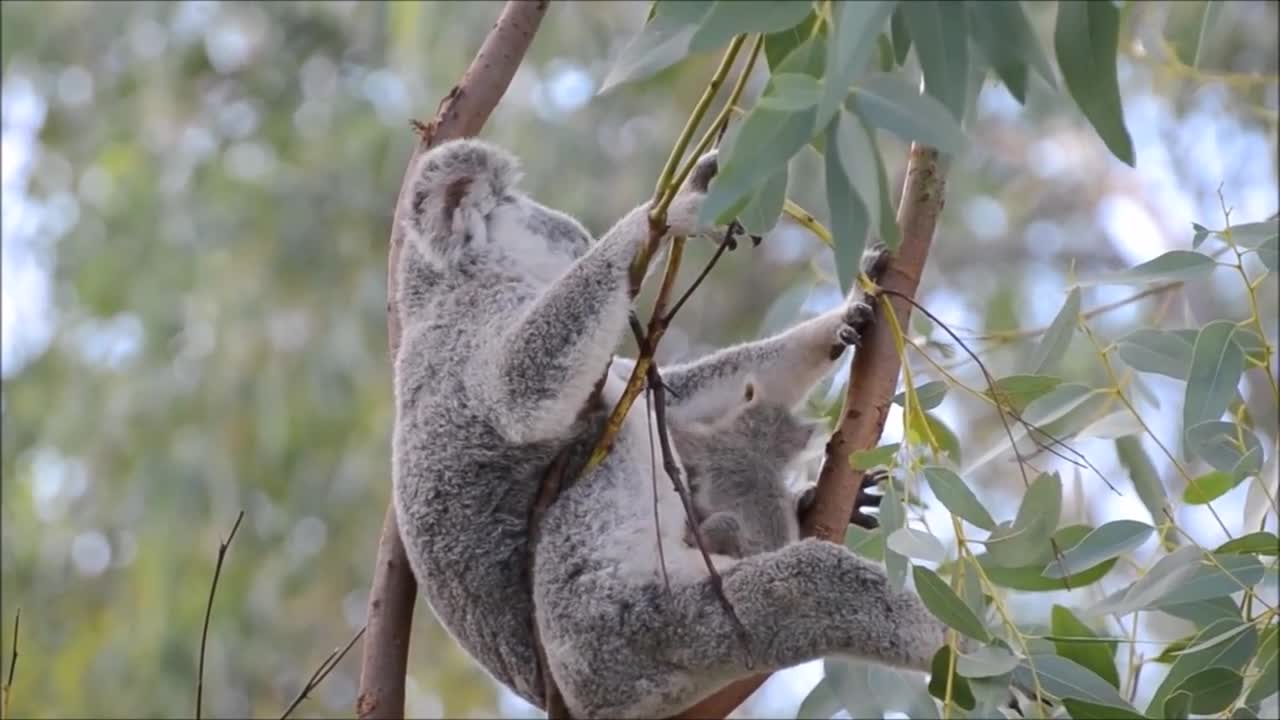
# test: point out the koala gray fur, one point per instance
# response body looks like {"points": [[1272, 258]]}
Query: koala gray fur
{"points": [[511, 315], [736, 469]]}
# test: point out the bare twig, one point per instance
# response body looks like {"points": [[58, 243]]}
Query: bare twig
{"points": [[322, 672], [13, 662], [873, 380], [462, 113], [208, 610]]}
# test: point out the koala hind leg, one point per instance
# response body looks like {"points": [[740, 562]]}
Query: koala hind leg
{"points": [[643, 652]]}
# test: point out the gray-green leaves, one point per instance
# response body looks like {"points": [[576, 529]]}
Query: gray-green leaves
{"points": [[1048, 354], [1216, 365], [1085, 39], [946, 605], [662, 43], [957, 497], [1108, 541]]}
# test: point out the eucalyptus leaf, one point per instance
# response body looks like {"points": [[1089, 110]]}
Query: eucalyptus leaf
{"points": [[1156, 351], [853, 193], [1180, 265], [765, 206], [939, 30], [867, 459], [1208, 487], [1085, 40], [857, 24], [1010, 44], [930, 395], [1260, 543], [726, 19], [1108, 541], [945, 683], [1233, 655], [888, 102], [952, 492], [1017, 391], [1026, 540], [1216, 366], [1142, 472], [945, 605], [663, 42], [821, 702], [1097, 657], [900, 36], [1064, 678], [1053, 345], [917, 544], [986, 661]]}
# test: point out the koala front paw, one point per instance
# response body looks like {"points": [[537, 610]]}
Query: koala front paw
{"points": [[682, 215], [875, 260], [857, 320], [865, 500]]}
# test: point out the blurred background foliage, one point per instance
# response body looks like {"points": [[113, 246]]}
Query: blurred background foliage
{"points": [[196, 202]]}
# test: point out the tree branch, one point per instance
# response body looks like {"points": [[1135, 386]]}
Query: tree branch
{"points": [[208, 610], [872, 382], [461, 113]]}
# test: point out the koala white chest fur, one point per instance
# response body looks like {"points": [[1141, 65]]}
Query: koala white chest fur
{"points": [[511, 316]]}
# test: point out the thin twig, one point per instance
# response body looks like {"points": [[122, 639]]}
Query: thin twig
{"points": [[13, 662], [676, 473], [208, 610], [725, 242], [1012, 335], [322, 672], [653, 477]]}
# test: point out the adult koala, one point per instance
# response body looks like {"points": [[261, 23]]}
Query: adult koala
{"points": [[511, 315]]}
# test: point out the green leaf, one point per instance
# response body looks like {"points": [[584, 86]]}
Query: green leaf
{"points": [[1259, 543], [1107, 541], [946, 605], [1085, 40], [941, 675], [1097, 657], [763, 209], [1142, 472], [1216, 366], [1208, 487], [892, 517], [929, 394], [986, 661], [1007, 39], [1269, 253], [917, 544], [867, 459], [1251, 235], [1017, 391], [1266, 663], [1188, 25], [1218, 443], [1156, 351], [821, 702], [778, 45], [1053, 346], [765, 141], [1174, 265], [890, 103], [1161, 580], [867, 543], [901, 38], [940, 32], [952, 492], [726, 19], [1025, 541], [791, 92], [663, 42], [947, 440], [853, 193], [1084, 710], [848, 51], [1203, 613], [1232, 655], [1183, 577], [1064, 678], [1029, 578]]}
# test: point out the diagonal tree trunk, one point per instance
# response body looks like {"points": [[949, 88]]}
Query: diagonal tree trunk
{"points": [[872, 382], [461, 113]]}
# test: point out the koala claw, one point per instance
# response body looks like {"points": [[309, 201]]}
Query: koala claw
{"points": [[875, 260], [857, 319], [866, 500]]}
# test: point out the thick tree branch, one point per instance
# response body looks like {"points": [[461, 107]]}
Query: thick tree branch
{"points": [[871, 385], [461, 113]]}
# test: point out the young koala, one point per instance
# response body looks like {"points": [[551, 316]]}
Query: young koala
{"points": [[511, 315], [736, 469]]}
